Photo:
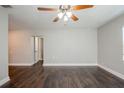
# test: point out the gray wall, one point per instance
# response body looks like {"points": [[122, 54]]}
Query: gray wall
{"points": [[70, 46], [110, 45], [3, 45], [20, 47], [61, 47]]}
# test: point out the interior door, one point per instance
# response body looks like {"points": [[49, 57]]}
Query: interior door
{"points": [[40, 48], [36, 49]]}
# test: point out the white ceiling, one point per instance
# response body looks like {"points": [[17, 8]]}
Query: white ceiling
{"points": [[29, 17]]}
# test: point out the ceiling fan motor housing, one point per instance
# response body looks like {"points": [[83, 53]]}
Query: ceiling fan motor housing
{"points": [[64, 8]]}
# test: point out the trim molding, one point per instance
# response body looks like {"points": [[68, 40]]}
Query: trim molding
{"points": [[3, 81], [112, 71], [21, 64], [69, 64]]}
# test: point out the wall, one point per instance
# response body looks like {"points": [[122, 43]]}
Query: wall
{"points": [[110, 46], [3, 46], [70, 46], [20, 47], [61, 47]]}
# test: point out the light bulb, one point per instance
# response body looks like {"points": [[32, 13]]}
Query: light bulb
{"points": [[69, 14], [60, 15], [65, 18]]}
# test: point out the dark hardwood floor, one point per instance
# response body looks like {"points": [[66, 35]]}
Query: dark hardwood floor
{"points": [[61, 77]]}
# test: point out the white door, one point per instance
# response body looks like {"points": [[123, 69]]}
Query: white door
{"points": [[38, 49]]}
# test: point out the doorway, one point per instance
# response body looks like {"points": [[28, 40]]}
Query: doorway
{"points": [[38, 49]]}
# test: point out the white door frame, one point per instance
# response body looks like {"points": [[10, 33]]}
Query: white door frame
{"points": [[34, 51]]}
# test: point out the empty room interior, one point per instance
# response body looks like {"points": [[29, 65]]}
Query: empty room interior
{"points": [[62, 46]]}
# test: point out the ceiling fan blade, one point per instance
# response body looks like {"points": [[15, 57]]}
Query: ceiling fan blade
{"points": [[74, 18], [46, 9], [79, 7], [56, 19]]}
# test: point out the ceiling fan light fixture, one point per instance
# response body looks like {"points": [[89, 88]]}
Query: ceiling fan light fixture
{"points": [[69, 14], [60, 15], [65, 18]]}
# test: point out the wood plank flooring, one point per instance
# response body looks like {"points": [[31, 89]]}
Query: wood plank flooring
{"points": [[61, 77]]}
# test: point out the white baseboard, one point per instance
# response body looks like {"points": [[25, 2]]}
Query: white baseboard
{"points": [[69, 64], [20, 64], [3, 81], [112, 71]]}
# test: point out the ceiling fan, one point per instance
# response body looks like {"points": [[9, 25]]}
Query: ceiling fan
{"points": [[65, 11]]}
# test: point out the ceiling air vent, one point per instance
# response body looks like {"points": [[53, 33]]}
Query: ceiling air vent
{"points": [[6, 6]]}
